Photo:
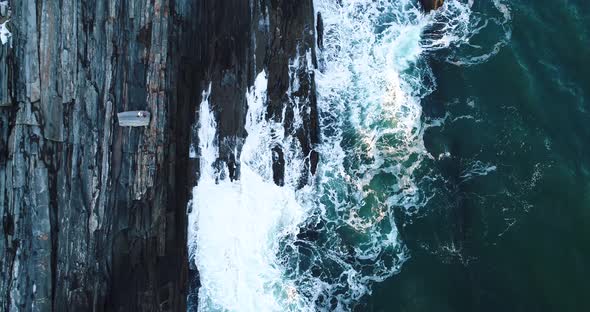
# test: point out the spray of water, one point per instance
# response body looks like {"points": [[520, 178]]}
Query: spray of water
{"points": [[261, 247], [234, 226]]}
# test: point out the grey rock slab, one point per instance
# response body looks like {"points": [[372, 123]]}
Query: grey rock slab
{"points": [[134, 118]]}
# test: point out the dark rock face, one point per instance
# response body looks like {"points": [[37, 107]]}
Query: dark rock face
{"points": [[238, 39], [430, 5], [291, 47], [243, 38], [94, 214]]}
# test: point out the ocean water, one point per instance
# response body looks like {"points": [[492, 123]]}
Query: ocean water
{"points": [[508, 228], [454, 171]]}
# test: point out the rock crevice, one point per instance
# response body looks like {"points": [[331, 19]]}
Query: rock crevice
{"points": [[92, 218], [94, 214]]}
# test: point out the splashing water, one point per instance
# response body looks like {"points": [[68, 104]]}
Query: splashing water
{"points": [[235, 225], [457, 30], [261, 247], [5, 34]]}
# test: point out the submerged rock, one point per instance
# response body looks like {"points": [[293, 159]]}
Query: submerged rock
{"points": [[430, 5]]}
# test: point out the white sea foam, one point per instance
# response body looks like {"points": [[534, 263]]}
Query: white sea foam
{"points": [[369, 93], [371, 80], [5, 34], [455, 26], [475, 169], [261, 247], [235, 226]]}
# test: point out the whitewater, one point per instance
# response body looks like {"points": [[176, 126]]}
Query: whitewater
{"points": [[262, 247]]}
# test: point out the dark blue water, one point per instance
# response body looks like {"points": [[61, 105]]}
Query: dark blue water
{"points": [[508, 228]]}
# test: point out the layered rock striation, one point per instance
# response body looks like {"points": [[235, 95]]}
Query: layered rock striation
{"points": [[94, 214]]}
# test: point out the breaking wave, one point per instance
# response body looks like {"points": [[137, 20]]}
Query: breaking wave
{"points": [[261, 247]]}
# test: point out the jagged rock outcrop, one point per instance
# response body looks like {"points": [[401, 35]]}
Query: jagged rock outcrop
{"points": [[242, 39], [94, 214], [290, 60], [430, 5]]}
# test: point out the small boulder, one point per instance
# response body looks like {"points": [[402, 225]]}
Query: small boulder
{"points": [[430, 5]]}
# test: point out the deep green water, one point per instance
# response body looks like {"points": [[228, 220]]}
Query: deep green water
{"points": [[518, 237], [472, 197]]}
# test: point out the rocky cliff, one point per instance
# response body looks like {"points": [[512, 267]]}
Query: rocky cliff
{"points": [[94, 214], [243, 39]]}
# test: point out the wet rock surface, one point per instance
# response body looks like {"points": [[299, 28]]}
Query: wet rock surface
{"points": [[238, 40], [243, 38], [93, 215], [430, 5]]}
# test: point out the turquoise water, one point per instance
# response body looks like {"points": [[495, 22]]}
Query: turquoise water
{"points": [[515, 237]]}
